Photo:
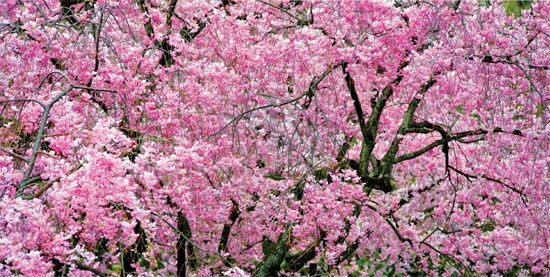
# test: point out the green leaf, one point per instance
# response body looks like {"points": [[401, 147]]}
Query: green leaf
{"points": [[488, 226], [518, 117], [393, 184], [115, 269], [354, 141], [540, 110], [514, 7], [476, 116], [460, 108], [274, 176], [144, 263]]}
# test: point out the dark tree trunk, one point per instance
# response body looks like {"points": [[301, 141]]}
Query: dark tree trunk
{"points": [[185, 251]]}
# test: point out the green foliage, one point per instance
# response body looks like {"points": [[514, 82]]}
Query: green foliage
{"points": [[513, 272], [476, 116], [115, 269], [101, 247], [372, 265], [514, 7], [488, 226], [275, 176], [268, 247], [518, 117], [540, 110], [275, 254]]}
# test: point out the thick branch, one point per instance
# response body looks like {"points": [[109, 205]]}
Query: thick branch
{"points": [[356, 102], [373, 122], [271, 265], [40, 135], [296, 262], [406, 123], [91, 269], [446, 137], [313, 85], [233, 215], [41, 130]]}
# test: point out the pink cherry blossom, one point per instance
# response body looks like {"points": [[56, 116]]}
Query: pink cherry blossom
{"points": [[274, 137]]}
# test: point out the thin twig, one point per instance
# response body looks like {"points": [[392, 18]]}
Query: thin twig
{"points": [[14, 154], [308, 94]]}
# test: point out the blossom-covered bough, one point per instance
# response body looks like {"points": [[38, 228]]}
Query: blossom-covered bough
{"points": [[260, 137]]}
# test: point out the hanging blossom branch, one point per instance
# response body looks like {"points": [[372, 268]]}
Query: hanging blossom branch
{"points": [[41, 130], [27, 179], [309, 94]]}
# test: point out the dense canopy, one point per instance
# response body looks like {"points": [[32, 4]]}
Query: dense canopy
{"points": [[263, 137]]}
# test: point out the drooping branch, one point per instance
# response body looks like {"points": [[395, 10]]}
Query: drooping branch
{"points": [[184, 249], [91, 269], [308, 95], [468, 176], [67, 12], [508, 60], [24, 100], [343, 151], [44, 188], [187, 237], [136, 251], [312, 89], [148, 25], [97, 35], [351, 248], [164, 45], [41, 130], [170, 13]]}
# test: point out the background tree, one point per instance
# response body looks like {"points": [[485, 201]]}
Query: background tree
{"points": [[273, 137]]}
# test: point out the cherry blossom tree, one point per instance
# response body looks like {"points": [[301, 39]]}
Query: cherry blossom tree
{"points": [[265, 138]]}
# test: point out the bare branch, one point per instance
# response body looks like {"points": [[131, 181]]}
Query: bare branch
{"points": [[406, 123], [14, 154], [308, 94], [523, 197], [24, 100], [40, 135], [446, 137], [356, 102], [91, 269]]}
